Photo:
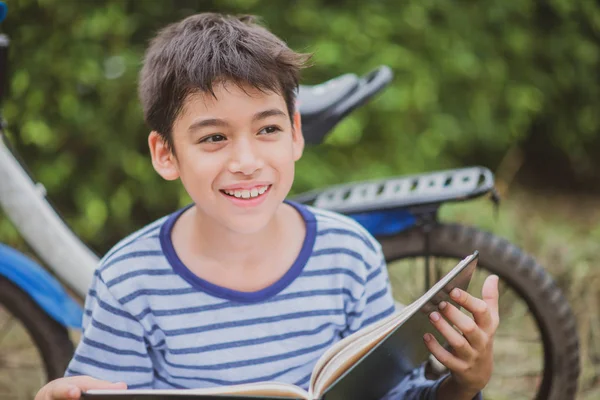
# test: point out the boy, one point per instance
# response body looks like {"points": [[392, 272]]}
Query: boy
{"points": [[243, 286]]}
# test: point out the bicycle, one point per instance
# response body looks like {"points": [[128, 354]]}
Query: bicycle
{"points": [[401, 212]]}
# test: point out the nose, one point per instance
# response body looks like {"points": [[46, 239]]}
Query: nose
{"points": [[245, 157]]}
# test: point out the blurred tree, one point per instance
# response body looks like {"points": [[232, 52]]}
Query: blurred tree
{"points": [[473, 80]]}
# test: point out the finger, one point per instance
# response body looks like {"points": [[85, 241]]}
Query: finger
{"points": [[72, 387], [479, 308], [63, 391], [473, 333], [87, 382], [490, 295], [448, 359], [459, 344]]}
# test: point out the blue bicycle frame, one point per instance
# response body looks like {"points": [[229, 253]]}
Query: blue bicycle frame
{"points": [[42, 287]]}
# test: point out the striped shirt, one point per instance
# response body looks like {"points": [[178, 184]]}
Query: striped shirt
{"points": [[152, 323]]}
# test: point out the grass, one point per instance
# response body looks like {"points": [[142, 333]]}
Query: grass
{"points": [[561, 232]]}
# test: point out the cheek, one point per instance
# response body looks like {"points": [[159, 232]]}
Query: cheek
{"points": [[199, 170], [283, 158]]}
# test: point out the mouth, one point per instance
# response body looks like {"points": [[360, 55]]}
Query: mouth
{"points": [[247, 194]]}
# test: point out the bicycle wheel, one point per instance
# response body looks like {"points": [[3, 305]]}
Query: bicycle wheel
{"points": [[536, 347], [34, 348]]}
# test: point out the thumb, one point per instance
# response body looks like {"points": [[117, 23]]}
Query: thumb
{"points": [[60, 391], [72, 387], [88, 383], [490, 295]]}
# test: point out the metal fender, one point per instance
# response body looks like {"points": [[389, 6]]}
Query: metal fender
{"points": [[42, 287]]}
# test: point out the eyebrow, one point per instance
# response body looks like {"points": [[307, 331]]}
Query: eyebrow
{"points": [[217, 122]]}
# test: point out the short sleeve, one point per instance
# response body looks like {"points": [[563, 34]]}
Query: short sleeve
{"points": [[376, 301], [112, 345]]}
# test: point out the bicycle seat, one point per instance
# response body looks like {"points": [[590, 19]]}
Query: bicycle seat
{"points": [[323, 106], [313, 100]]}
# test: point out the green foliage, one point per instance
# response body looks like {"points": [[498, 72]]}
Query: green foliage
{"points": [[472, 79]]}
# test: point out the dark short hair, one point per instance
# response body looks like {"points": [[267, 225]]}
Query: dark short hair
{"points": [[192, 55]]}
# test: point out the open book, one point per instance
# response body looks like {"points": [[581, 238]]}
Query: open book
{"points": [[363, 366]]}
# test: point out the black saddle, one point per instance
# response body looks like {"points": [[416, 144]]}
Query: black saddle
{"points": [[323, 106]]}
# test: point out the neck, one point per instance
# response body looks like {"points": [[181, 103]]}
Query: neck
{"points": [[233, 249]]}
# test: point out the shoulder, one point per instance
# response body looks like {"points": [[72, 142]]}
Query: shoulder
{"points": [[341, 230], [133, 252], [343, 245]]}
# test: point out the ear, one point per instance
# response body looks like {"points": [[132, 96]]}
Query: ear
{"points": [[297, 137], [163, 159]]}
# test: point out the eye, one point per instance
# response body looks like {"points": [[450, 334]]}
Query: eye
{"points": [[213, 139], [269, 130]]}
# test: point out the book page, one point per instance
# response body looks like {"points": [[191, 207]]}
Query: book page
{"points": [[346, 342], [263, 389], [347, 356]]}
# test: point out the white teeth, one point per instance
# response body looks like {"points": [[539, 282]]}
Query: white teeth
{"points": [[246, 194]]}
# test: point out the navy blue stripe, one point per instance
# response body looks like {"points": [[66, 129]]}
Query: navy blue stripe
{"points": [[303, 381], [375, 272], [174, 385], [253, 321], [153, 329], [145, 385], [333, 271], [377, 295], [133, 254], [255, 361], [145, 272], [111, 367], [251, 342], [370, 299], [72, 372], [116, 332], [230, 304], [377, 317], [154, 292], [110, 309], [341, 250], [114, 350], [154, 226], [240, 382], [347, 232]]}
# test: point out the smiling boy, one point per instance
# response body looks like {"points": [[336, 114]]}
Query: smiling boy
{"points": [[242, 285]]}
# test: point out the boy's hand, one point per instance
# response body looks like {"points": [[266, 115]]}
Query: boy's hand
{"points": [[471, 359], [71, 387]]}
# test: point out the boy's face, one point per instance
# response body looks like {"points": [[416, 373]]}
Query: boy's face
{"points": [[235, 154]]}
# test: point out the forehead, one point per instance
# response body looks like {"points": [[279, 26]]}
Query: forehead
{"points": [[231, 100]]}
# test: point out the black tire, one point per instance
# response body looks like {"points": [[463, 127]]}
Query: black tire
{"points": [[50, 337], [526, 278]]}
